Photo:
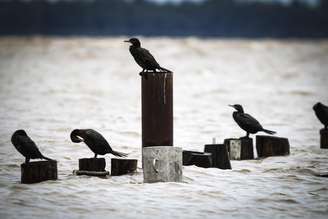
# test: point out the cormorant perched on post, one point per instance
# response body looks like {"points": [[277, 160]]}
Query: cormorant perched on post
{"points": [[95, 141], [321, 111], [247, 122], [26, 146], [143, 57]]}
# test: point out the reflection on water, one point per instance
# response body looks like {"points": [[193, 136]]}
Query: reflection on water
{"points": [[49, 86]]}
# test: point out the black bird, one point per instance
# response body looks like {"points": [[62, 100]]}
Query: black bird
{"points": [[321, 111], [247, 122], [143, 57], [95, 141], [26, 146]]}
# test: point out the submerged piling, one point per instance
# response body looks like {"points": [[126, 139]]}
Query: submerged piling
{"points": [[220, 156], [121, 166], [92, 164], [267, 146], [38, 171]]}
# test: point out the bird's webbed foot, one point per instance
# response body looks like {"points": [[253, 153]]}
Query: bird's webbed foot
{"points": [[27, 160], [95, 156]]}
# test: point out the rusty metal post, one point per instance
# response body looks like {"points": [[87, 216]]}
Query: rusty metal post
{"points": [[157, 109]]}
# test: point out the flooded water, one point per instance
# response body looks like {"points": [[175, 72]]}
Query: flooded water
{"points": [[50, 86]]}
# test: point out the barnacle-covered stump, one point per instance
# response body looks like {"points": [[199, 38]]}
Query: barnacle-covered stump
{"points": [[162, 164], [267, 146], [121, 166], [34, 172], [220, 157]]}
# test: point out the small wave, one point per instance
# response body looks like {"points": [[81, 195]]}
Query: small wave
{"points": [[242, 171]]}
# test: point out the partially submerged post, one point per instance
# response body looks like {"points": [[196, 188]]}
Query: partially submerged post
{"points": [[324, 138], [240, 149], [201, 160], [267, 146], [121, 166], [220, 157], [34, 172], [92, 167], [157, 109], [92, 164]]}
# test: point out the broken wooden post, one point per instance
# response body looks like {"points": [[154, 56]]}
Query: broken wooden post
{"points": [[162, 164], [240, 149], [324, 138], [196, 158], [92, 164], [39, 171], [201, 160], [220, 157], [121, 166], [187, 156], [157, 109], [267, 146]]}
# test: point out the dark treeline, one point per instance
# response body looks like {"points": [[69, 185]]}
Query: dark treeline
{"points": [[213, 18]]}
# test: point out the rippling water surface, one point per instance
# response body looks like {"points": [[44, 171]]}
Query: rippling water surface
{"points": [[49, 86]]}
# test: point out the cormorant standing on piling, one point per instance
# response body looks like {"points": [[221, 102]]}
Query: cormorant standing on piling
{"points": [[247, 122], [95, 141], [321, 111], [143, 57], [26, 146]]}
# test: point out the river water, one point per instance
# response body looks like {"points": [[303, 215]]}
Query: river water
{"points": [[50, 86]]}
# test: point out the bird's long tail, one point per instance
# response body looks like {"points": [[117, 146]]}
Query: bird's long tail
{"points": [[46, 158], [269, 131], [119, 154], [164, 69]]}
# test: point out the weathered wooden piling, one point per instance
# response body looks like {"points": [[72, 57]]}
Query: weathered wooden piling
{"points": [[162, 164], [240, 148], [220, 157], [92, 164], [324, 138], [39, 171], [267, 146], [157, 109], [121, 166]]}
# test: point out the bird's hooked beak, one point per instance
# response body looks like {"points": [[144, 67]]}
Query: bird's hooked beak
{"points": [[233, 106], [127, 41]]}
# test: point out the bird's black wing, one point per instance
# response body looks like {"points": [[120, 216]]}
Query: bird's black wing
{"points": [[97, 139], [28, 147], [147, 58], [325, 109], [250, 121]]}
